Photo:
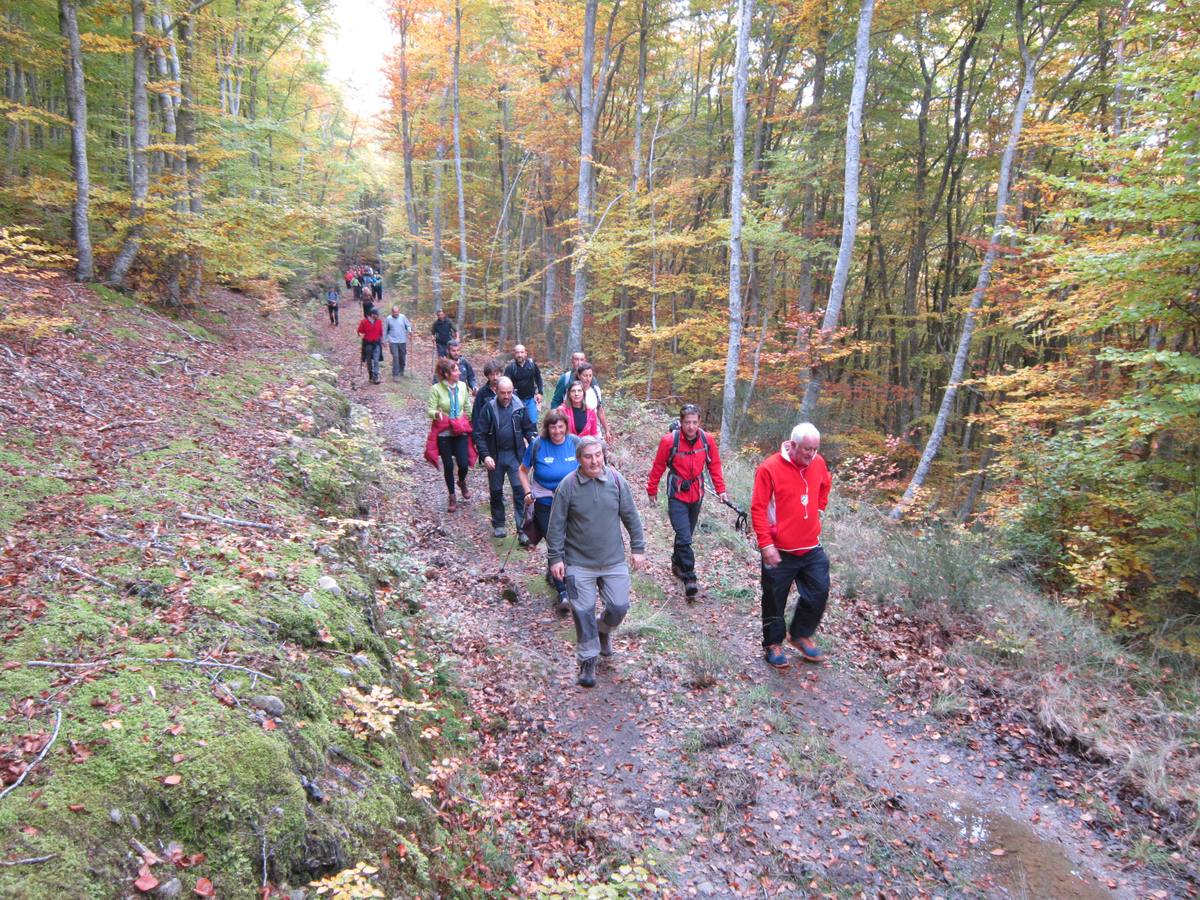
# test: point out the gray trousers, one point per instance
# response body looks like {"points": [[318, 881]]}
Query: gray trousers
{"points": [[399, 354], [507, 466], [583, 587]]}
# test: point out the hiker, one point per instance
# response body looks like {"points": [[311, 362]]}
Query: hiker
{"points": [[580, 420], [348, 277], [371, 331], [443, 331], [491, 375], [454, 352], [584, 548], [332, 298], [592, 396], [450, 424], [527, 380], [396, 329], [377, 287], [791, 491], [578, 358], [550, 459], [684, 453], [356, 286], [502, 434]]}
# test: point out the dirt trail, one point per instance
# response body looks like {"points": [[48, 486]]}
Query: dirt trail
{"points": [[761, 784]]}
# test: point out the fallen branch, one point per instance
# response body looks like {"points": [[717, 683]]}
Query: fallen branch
{"points": [[179, 328], [128, 423], [9, 863], [29, 768], [67, 567], [146, 660], [225, 520]]}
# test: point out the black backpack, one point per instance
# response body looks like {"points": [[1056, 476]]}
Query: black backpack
{"points": [[685, 484]]}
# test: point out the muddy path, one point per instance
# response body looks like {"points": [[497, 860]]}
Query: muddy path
{"points": [[732, 778]]}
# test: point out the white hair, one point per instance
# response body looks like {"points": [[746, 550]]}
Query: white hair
{"points": [[504, 381], [805, 431]]}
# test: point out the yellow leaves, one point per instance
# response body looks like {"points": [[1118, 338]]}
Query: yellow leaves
{"points": [[349, 884], [373, 715], [104, 43]]}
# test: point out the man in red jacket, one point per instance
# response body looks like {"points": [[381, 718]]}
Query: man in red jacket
{"points": [[371, 330], [684, 453], [791, 491]]}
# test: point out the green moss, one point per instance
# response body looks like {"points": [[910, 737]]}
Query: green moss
{"points": [[24, 484]]}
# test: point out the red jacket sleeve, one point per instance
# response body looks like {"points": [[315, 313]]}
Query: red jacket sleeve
{"points": [[714, 466], [764, 489], [824, 489], [362, 327], [660, 465]]}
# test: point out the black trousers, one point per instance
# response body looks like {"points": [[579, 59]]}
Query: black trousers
{"points": [[507, 466], [333, 313], [684, 517], [453, 448], [810, 573], [372, 353], [399, 357], [443, 350]]}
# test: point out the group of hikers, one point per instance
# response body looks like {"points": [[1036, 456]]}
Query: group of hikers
{"points": [[563, 488]]}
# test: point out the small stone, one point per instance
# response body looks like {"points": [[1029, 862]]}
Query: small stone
{"points": [[297, 894], [172, 888], [661, 814], [327, 583], [272, 706], [135, 822], [316, 356], [309, 600], [116, 816], [344, 673], [360, 661], [707, 888]]}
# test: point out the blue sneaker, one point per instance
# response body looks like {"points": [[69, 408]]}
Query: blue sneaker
{"points": [[776, 657], [809, 651]]}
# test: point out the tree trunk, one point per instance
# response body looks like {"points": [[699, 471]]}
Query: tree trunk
{"points": [[461, 317], [733, 350], [635, 177], [68, 23], [140, 185], [503, 225], [435, 252], [938, 433], [841, 272], [410, 201], [587, 121]]}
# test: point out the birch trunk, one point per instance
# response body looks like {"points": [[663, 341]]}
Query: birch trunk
{"points": [[410, 201], [733, 350], [68, 23], [435, 252], [140, 184], [461, 317], [936, 436], [841, 271], [587, 122]]}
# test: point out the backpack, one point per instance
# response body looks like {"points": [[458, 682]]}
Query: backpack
{"points": [[685, 484]]}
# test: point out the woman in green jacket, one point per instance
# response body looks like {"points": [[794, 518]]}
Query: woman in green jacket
{"points": [[449, 400]]}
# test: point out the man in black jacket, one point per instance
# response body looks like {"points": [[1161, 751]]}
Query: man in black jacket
{"points": [[527, 380], [443, 330], [501, 435]]}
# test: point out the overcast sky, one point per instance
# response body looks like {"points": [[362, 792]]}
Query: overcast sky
{"points": [[356, 47]]}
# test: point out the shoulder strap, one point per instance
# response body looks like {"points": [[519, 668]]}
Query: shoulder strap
{"points": [[674, 448]]}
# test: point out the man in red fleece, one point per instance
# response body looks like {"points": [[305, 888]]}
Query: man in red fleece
{"points": [[371, 331], [684, 453], [791, 491]]}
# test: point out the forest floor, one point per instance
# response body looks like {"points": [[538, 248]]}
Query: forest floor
{"points": [[730, 778]]}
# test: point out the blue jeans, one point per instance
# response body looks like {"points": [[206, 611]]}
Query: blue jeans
{"points": [[531, 407]]}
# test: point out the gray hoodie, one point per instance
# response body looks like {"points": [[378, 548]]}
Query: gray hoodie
{"points": [[583, 529]]}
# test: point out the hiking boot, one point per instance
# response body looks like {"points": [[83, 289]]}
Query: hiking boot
{"points": [[678, 572], [451, 506], [522, 539], [809, 651], [606, 649], [462, 487], [776, 657], [499, 531], [564, 602], [691, 587], [587, 673]]}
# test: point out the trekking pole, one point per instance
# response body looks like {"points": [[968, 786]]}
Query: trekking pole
{"points": [[741, 524], [504, 564]]}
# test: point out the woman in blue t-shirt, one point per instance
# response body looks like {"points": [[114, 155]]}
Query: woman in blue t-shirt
{"points": [[550, 459]]}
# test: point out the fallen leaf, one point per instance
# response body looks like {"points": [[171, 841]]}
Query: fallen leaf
{"points": [[172, 780], [999, 851], [204, 888], [146, 882], [268, 725], [77, 808]]}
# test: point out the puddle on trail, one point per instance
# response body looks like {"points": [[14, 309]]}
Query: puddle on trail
{"points": [[1029, 866]]}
